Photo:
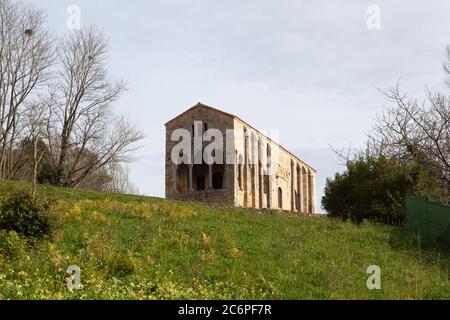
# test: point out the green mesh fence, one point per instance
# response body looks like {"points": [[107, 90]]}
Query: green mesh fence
{"points": [[431, 220]]}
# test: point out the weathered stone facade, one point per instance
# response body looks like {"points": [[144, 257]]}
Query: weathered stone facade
{"points": [[252, 179]]}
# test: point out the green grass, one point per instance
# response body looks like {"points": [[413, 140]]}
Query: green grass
{"points": [[132, 247]]}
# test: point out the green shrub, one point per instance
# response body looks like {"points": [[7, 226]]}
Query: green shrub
{"points": [[12, 245], [122, 264], [372, 188], [27, 216]]}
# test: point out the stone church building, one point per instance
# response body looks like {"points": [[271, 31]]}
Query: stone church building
{"points": [[252, 179]]}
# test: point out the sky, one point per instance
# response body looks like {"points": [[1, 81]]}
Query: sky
{"points": [[312, 69]]}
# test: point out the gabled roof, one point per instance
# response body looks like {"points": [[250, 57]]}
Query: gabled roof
{"points": [[204, 106]]}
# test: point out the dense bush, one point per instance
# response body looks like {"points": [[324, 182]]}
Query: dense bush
{"points": [[27, 216], [372, 188], [11, 244], [122, 264]]}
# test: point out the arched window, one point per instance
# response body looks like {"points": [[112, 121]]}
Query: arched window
{"points": [[280, 198], [205, 127], [217, 180], [200, 182]]}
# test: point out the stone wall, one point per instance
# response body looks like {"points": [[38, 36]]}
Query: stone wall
{"points": [[186, 120], [290, 185], [207, 196]]}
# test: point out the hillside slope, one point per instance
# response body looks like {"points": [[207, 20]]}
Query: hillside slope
{"points": [[131, 247]]}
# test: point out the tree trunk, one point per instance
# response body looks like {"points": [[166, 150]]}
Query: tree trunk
{"points": [[60, 175], [35, 167]]}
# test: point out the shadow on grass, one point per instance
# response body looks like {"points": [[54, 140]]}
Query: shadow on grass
{"points": [[436, 254]]}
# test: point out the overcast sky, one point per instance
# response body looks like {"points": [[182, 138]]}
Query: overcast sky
{"points": [[307, 68]]}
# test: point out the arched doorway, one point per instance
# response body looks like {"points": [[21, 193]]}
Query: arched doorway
{"points": [[200, 182], [217, 180], [218, 175], [199, 176], [182, 180]]}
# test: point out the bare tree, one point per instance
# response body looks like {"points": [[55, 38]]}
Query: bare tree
{"points": [[26, 55], [119, 180], [82, 134], [419, 130], [115, 144], [89, 135], [37, 120], [446, 66]]}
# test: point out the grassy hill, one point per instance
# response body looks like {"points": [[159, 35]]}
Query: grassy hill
{"points": [[132, 247]]}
